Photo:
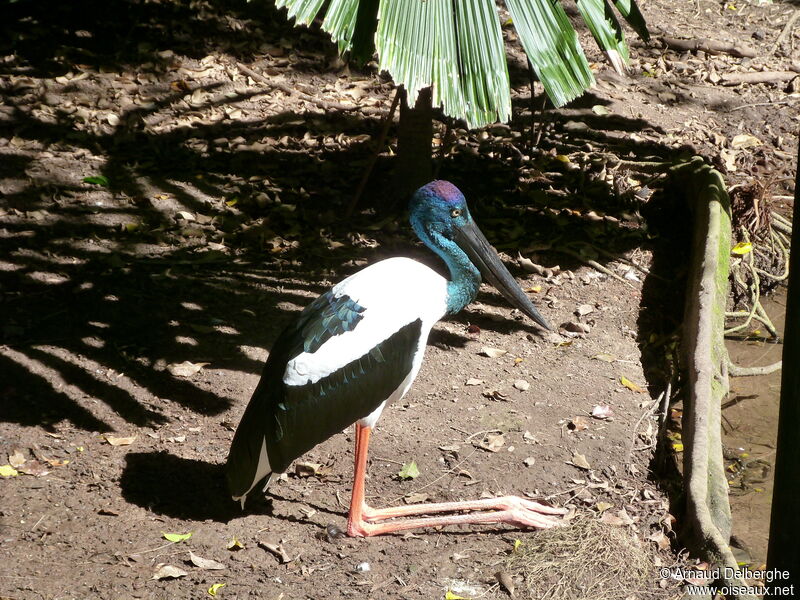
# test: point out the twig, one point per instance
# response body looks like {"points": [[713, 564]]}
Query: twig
{"points": [[626, 260], [592, 263], [709, 46], [737, 371], [757, 77], [756, 310], [388, 460], [787, 29], [780, 225], [451, 471], [742, 314], [293, 92], [477, 433], [648, 413], [764, 318], [572, 489], [387, 121], [784, 101], [785, 254]]}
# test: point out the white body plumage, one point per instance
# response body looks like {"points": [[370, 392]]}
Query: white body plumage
{"points": [[393, 292]]}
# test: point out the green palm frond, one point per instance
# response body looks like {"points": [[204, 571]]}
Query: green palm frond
{"points": [[552, 47], [631, 13], [303, 11], [606, 30], [456, 46], [340, 22]]}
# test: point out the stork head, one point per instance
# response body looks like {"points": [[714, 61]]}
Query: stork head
{"points": [[441, 219]]}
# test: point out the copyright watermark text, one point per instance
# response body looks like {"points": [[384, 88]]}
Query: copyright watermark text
{"points": [[701, 581]]}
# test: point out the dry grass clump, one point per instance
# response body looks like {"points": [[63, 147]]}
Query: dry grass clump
{"points": [[586, 560]]}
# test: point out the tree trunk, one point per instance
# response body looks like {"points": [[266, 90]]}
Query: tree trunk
{"points": [[708, 513], [414, 163], [784, 531]]}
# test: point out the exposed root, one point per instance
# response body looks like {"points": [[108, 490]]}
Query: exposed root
{"points": [[708, 513], [767, 265], [737, 371], [592, 263]]}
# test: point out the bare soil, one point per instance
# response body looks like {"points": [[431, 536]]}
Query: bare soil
{"points": [[221, 215]]}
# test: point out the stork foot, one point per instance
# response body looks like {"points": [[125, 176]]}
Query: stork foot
{"points": [[518, 512]]}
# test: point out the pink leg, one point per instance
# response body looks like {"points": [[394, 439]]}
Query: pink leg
{"points": [[364, 521]]}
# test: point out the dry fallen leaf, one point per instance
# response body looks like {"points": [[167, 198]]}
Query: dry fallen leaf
{"points": [[605, 357], [185, 369], [575, 329], [492, 442], [277, 550], [661, 540], [506, 582], [603, 506], [529, 266], [744, 140], [164, 571], [234, 544], [415, 498], [307, 469], [16, 458], [205, 563], [495, 395], [119, 441], [35, 468], [630, 385], [729, 159], [619, 519], [579, 460], [579, 423], [492, 352]]}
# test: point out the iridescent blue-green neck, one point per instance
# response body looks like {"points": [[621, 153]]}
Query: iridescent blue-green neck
{"points": [[465, 279]]}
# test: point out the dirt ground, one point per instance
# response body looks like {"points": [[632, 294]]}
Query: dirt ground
{"points": [[138, 305]]}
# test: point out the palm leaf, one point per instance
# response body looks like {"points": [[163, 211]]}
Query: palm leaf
{"points": [[303, 11], [340, 22], [552, 46], [455, 46], [630, 12], [606, 30]]}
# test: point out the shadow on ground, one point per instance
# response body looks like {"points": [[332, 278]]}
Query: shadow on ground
{"points": [[104, 287]]}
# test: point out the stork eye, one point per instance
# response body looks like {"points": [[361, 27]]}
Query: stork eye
{"points": [[456, 212]]}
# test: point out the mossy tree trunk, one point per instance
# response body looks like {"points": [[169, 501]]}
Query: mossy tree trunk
{"points": [[708, 513]]}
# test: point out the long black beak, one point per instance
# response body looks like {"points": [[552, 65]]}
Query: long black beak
{"points": [[472, 241]]}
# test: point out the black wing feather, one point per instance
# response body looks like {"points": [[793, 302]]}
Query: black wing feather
{"points": [[294, 419]]}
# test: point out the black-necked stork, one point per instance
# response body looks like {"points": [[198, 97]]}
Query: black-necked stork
{"points": [[358, 347]]}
